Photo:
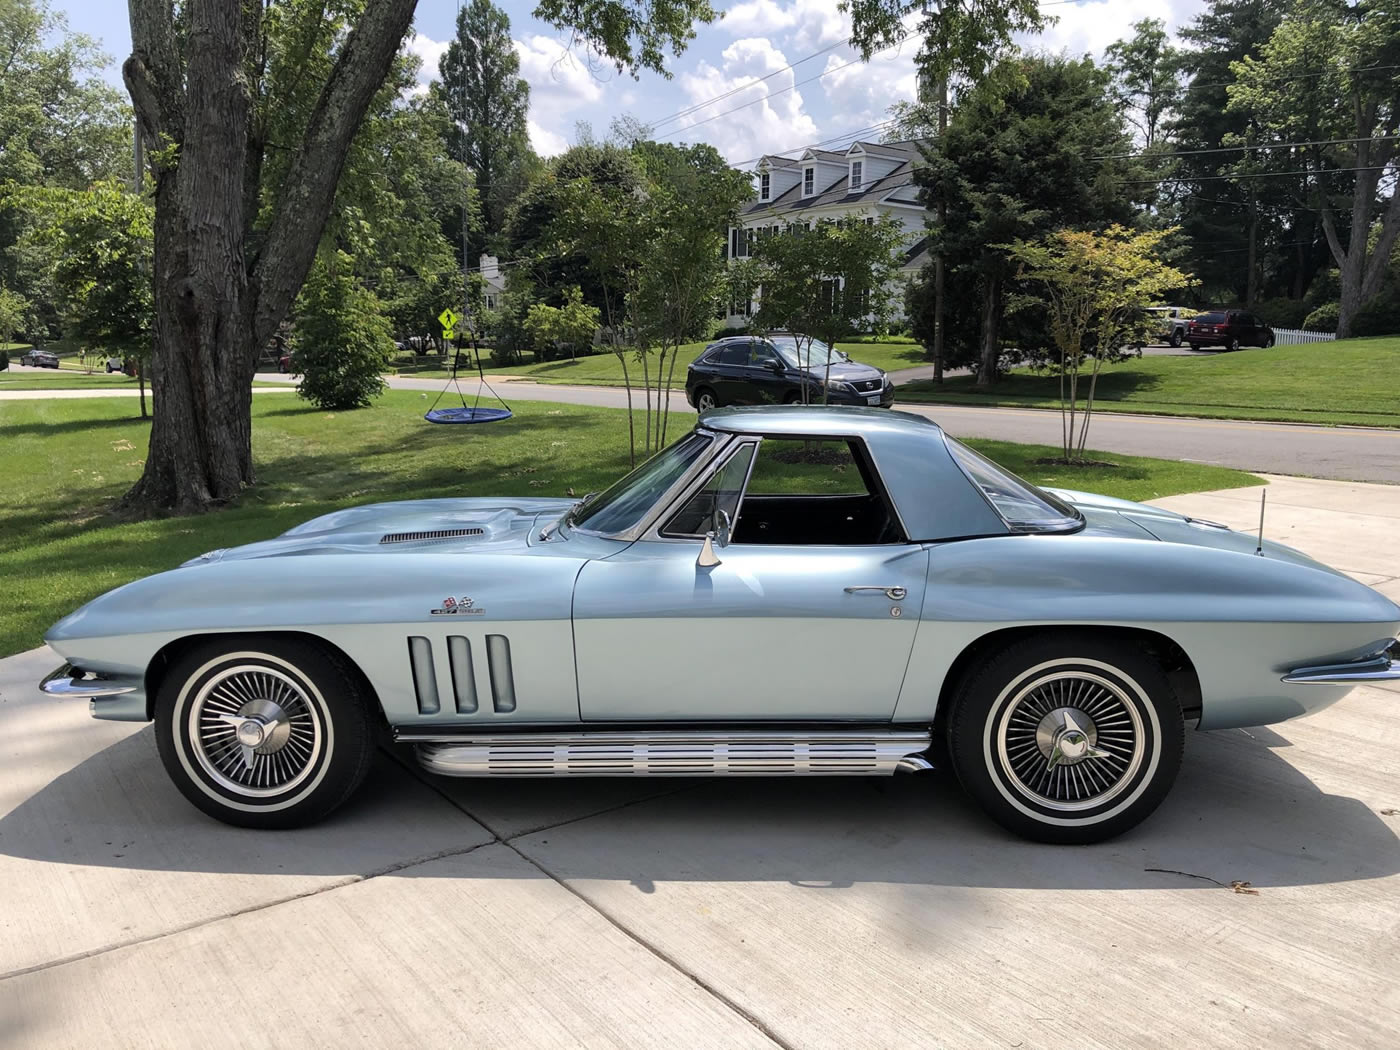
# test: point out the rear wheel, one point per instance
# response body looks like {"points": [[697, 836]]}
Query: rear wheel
{"points": [[1067, 737], [263, 732], [1233, 344], [704, 399]]}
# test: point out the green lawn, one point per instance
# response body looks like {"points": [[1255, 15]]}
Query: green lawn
{"points": [[606, 370], [1347, 382], [65, 462]]}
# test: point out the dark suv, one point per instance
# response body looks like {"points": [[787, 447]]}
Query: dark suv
{"points": [[766, 370], [1231, 329]]}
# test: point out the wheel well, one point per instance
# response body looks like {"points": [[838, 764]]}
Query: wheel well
{"points": [[160, 663], [1169, 656]]}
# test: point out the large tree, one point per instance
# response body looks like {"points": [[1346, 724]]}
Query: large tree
{"points": [[1327, 78], [961, 40], [1038, 146], [1146, 71], [488, 101], [232, 249], [1224, 216]]}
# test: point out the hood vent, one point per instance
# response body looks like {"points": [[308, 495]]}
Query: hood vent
{"points": [[435, 534]]}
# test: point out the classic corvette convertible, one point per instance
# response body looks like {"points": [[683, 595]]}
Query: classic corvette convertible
{"points": [[1050, 646]]}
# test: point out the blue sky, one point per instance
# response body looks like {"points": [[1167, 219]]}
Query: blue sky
{"points": [[754, 39]]}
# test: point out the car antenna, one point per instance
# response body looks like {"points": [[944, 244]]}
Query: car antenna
{"points": [[1263, 499]]}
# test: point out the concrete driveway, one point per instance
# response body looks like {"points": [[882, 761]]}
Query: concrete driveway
{"points": [[837, 913]]}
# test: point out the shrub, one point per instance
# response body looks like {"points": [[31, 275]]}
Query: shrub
{"points": [[1282, 313], [1379, 315], [1323, 319], [4, 360], [724, 331], [343, 340]]}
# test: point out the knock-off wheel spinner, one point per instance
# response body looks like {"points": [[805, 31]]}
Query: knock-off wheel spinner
{"points": [[1070, 740], [255, 730]]}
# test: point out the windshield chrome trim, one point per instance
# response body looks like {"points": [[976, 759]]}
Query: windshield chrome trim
{"points": [[718, 441], [734, 446]]}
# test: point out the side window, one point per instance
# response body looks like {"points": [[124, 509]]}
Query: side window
{"points": [[721, 493], [814, 492], [761, 354], [734, 354], [792, 467]]}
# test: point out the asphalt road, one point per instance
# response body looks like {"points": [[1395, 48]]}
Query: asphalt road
{"points": [[1338, 453]]}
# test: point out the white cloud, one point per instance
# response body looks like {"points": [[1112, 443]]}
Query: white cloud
{"points": [[546, 143], [772, 123], [1092, 26], [557, 78], [861, 94], [430, 51], [810, 23]]}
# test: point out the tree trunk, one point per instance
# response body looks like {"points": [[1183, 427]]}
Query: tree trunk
{"points": [[141, 385], [1251, 283], [991, 332], [221, 288]]}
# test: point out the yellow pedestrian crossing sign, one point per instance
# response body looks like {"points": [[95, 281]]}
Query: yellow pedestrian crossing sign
{"points": [[449, 321]]}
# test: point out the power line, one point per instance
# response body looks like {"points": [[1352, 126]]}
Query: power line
{"points": [[814, 145], [1144, 154], [780, 91], [735, 90], [1255, 175]]}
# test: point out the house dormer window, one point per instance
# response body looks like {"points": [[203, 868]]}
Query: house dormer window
{"points": [[765, 185], [809, 181], [857, 173]]}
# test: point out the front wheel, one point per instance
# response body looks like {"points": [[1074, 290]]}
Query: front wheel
{"points": [[263, 732], [1268, 340], [1066, 737], [1175, 339]]}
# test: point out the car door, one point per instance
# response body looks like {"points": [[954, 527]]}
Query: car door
{"points": [[766, 375], [730, 373], [782, 628]]}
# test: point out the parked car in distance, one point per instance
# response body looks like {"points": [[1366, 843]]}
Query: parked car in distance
{"points": [[284, 363], [39, 359], [1231, 329], [1172, 323], [1053, 647], [125, 365], [774, 369]]}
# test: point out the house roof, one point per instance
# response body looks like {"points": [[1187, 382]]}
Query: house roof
{"points": [[907, 153]]}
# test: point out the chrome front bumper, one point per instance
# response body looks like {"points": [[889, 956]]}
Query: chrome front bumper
{"points": [[1378, 669], [116, 697]]}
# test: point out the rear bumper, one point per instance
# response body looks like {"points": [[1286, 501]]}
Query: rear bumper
{"points": [[1363, 672], [118, 698]]}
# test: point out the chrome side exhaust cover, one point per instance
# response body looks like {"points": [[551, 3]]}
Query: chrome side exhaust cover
{"points": [[678, 753]]}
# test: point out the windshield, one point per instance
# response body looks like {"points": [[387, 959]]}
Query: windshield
{"points": [[1025, 507], [797, 354], [625, 502]]}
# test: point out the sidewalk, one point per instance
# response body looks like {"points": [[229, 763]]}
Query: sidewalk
{"points": [[712, 913]]}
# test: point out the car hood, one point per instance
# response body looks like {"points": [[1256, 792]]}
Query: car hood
{"points": [[1171, 527], [439, 525], [846, 372]]}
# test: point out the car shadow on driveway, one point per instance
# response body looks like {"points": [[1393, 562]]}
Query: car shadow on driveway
{"points": [[1237, 812]]}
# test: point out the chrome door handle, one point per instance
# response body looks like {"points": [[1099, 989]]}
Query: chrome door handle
{"points": [[894, 594]]}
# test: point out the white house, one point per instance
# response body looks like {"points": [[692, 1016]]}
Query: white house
{"points": [[866, 181]]}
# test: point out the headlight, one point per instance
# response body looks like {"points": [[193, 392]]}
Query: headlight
{"points": [[840, 387]]}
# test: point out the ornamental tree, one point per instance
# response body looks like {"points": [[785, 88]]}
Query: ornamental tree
{"points": [[1097, 287]]}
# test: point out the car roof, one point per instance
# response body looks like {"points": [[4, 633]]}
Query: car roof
{"points": [[817, 420]]}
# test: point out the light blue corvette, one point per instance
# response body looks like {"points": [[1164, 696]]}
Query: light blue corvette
{"points": [[785, 590]]}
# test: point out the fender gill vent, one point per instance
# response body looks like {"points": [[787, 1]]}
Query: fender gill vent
{"points": [[420, 660], [500, 673], [436, 534]]}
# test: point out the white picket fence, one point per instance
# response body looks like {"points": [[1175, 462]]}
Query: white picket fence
{"points": [[1284, 336]]}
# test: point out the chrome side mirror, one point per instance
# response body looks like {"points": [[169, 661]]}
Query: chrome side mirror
{"points": [[707, 558]]}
